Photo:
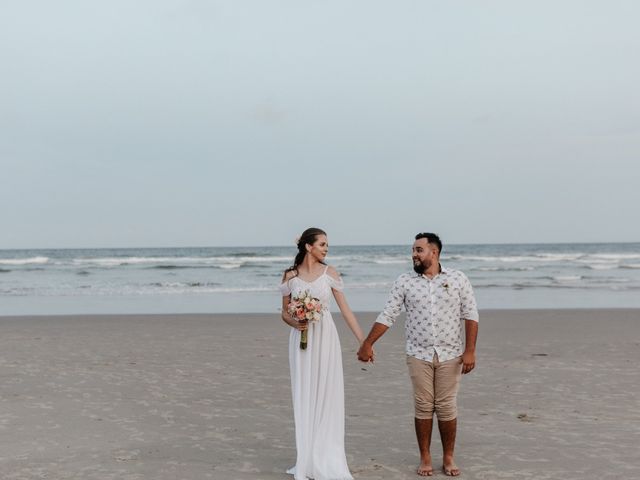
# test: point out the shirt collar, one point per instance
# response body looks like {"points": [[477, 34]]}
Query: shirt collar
{"points": [[443, 271]]}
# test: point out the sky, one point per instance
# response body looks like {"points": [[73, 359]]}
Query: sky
{"points": [[243, 122]]}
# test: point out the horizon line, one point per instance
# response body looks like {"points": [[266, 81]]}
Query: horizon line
{"points": [[293, 246]]}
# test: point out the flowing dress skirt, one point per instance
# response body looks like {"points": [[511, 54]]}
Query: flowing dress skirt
{"points": [[318, 403]]}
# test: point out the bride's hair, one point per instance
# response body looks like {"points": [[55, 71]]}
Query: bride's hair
{"points": [[308, 237]]}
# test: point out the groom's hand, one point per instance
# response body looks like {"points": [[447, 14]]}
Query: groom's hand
{"points": [[365, 354], [468, 361]]}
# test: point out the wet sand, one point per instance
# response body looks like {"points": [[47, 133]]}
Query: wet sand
{"points": [[555, 395]]}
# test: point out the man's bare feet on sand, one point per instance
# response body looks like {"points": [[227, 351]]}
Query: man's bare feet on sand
{"points": [[425, 469], [450, 469]]}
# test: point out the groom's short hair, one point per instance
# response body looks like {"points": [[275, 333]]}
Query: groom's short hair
{"points": [[431, 238]]}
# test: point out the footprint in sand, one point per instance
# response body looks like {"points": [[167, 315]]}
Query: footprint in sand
{"points": [[524, 417]]}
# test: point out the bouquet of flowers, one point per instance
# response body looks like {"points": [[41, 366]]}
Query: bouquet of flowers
{"points": [[305, 308]]}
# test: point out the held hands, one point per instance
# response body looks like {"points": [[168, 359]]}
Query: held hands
{"points": [[366, 353]]}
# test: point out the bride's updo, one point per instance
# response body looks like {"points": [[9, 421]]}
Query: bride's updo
{"points": [[308, 237]]}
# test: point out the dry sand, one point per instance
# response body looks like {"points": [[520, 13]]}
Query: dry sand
{"points": [[555, 395]]}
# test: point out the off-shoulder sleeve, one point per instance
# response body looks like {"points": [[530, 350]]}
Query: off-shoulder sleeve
{"points": [[285, 290], [336, 284]]}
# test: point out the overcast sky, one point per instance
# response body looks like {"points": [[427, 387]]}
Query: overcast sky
{"points": [[196, 123]]}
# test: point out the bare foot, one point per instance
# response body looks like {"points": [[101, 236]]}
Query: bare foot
{"points": [[425, 469], [450, 469]]}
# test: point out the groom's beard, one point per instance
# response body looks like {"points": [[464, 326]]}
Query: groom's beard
{"points": [[419, 268]]}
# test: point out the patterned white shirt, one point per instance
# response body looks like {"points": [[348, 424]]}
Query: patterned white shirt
{"points": [[436, 310]]}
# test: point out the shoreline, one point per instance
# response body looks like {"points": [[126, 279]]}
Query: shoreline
{"points": [[168, 396], [334, 312]]}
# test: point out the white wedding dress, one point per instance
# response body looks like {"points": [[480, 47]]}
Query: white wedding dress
{"points": [[318, 389]]}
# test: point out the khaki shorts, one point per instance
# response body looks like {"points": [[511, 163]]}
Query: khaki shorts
{"points": [[435, 387]]}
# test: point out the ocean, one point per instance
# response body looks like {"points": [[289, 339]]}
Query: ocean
{"points": [[245, 279]]}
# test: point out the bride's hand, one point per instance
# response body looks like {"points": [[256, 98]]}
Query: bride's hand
{"points": [[304, 325]]}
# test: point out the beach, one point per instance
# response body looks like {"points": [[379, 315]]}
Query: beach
{"points": [[555, 395]]}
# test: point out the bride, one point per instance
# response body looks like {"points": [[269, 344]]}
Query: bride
{"points": [[316, 372]]}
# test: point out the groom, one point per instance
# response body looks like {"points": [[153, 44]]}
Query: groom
{"points": [[438, 301]]}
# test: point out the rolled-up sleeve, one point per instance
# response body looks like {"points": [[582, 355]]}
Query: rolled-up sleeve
{"points": [[394, 304], [468, 305]]}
